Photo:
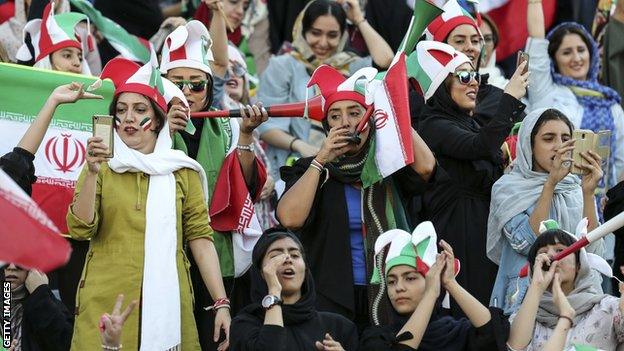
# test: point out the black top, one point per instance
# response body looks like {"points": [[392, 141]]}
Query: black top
{"points": [[46, 323], [390, 18], [442, 334], [18, 164], [614, 206], [325, 234], [303, 324], [470, 158]]}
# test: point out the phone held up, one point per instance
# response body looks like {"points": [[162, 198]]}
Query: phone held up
{"points": [[103, 128], [523, 57], [599, 142]]}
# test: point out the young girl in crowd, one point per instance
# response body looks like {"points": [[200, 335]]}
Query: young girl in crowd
{"points": [[59, 46], [469, 157], [138, 209], [337, 214], [283, 316], [186, 62], [414, 274], [319, 37], [594, 319], [539, 187], [565, 65]]}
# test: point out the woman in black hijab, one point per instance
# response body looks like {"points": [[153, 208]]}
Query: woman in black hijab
{"points": [[470, 158], [283, 316]]}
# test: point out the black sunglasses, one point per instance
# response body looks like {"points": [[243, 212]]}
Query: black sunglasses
{"points": [[465, 77], [196, 86]]}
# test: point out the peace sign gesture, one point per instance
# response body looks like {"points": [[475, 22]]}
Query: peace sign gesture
{"points": [[112, 324]]}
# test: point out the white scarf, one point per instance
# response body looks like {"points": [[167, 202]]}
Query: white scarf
{"points": [[160, 308]]}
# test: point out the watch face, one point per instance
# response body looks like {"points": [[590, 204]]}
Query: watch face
{"points": [[267, 301]]}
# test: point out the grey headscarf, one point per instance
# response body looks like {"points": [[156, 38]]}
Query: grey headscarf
{"points": [[518, 190], [587, 292]]}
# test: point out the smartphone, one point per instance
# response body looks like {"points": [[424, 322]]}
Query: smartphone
{"points": [[586, 140], [103, 128], [523, 57]]}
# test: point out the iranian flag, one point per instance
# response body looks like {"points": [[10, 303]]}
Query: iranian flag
{"points": [[232, 208], [60, 157], [128, 45]]}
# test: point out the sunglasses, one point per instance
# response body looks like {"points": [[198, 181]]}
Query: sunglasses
{"points": [[465, 77], [195, 86], [237, 69]]}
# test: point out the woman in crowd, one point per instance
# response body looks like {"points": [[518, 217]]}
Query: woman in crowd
{"points": [[186, 62], [457, 28], [54, 47], [414, 274], [565, 65], [539, 187], [490, 41], [319, 37], [38, 320], [138, 209], [338, 214], [468, 154], [594, 319], [236, 96], [283, 316]]}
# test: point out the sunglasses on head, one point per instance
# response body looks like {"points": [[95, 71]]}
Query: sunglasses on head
{"points": [[237, 69], [196, 86], [465, 77]]}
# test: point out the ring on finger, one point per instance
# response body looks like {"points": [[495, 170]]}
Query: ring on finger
{"points": [[90, 152]]}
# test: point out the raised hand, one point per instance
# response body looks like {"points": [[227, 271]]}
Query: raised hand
{"points": [[269, 272], [112, 324], [70, 93], [433, 277], [561, 163], [593, 171], [334, 145], [353, 10], [448, 274], [35, 279], [95, 154], [328, 344], [560, 300], [253, 116], [177, 118], [518, 83], [542, 279]]}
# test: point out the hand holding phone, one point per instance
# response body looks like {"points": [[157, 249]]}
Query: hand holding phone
{"points": [[523, 57], [586, 140], [103, 128]]}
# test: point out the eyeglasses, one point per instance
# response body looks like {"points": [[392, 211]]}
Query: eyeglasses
{"points": [[196, 86], [465, 77], [237, 69]]}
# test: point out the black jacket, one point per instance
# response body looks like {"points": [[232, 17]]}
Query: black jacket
{"points": [[46, 323]]}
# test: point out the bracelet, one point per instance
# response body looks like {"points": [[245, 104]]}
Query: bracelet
{"points": [[290, 146], [569, 319], [249, 147], [111, 348], [219, 303], [318, 164], [316, 167], [222, 306]]}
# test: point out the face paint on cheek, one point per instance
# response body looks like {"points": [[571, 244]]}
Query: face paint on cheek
{"points": [[146, 123]]}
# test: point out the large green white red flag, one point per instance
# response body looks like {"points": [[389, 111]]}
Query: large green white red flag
{"points": [[60, 157]]}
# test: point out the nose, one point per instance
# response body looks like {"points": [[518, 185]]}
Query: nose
{"points": [[399, 286], [577, 56], [323, 42]]}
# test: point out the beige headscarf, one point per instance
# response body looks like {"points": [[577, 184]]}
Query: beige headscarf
{"points": [[303, 53]]}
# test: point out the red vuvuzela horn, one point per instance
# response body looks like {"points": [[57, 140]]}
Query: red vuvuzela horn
{"points": [[295, 109]]}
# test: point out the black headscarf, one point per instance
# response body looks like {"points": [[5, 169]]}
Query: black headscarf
{"points": [[299, 312], [442, 105]]}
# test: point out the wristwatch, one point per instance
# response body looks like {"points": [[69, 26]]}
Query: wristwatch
{"points": [[270, 301]]}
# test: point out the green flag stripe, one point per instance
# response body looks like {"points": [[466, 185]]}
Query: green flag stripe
{"points": [[67, 22]]}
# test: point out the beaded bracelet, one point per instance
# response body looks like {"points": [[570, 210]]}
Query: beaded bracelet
{"points": [[112, 348]]}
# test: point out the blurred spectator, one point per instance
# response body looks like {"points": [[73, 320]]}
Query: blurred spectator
{"points": [[490, 41], [321, 39], [11, 36], [282, 18], [282, 315], [469, 156], [579, 11], [539, 187], [390, 18], [39, 322]]}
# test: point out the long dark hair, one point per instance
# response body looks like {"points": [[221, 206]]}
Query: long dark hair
{"points": [[160, 115], [320, 8], [549, 115], [556, 39], [551, 237]]}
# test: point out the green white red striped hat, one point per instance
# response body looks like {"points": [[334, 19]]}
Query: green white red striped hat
{"points": [[336, 87], [431, 63], [187, 46], [454, 15], [54, 32]]}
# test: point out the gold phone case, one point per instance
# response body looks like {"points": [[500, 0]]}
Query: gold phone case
{"points": [[103, 128], [522, 56], [599, 143]]}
